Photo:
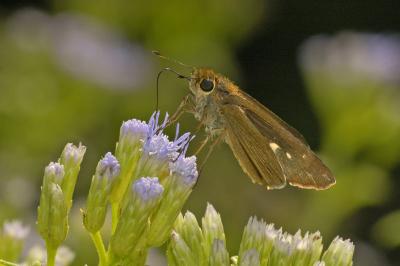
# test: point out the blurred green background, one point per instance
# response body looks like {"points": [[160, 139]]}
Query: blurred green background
{"points": [[72, 71]]}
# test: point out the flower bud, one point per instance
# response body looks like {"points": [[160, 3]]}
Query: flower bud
{"points": [[133, 133], [219, 255], [307, 249], [71, 159], [53, 173], [296, 249], [52, 215], [340, 252], [283, 250], [138, 206], [52, 211], [178, 187], [252, 258], [107, 170], [259, 236], [189, 230], [212, 228], [179, 252], [12, 240]]}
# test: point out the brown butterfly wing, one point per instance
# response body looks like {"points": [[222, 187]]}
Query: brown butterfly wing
{"points": [[251, 150], [298, 163]]}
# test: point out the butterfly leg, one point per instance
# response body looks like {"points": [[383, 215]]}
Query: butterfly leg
{"points": [[184, 106], [212, 146], [202, 145], [210, 149], [205, 141], [199, 126]]}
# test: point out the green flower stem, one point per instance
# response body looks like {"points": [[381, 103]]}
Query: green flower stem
{"points": [[51, 254], [114, 216], [101, 251], [7, 263], [114, 223]]}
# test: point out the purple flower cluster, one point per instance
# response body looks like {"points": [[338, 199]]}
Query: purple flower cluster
{"points": [[158, 145]]}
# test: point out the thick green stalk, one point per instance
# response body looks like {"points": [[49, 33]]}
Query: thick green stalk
{"points": [[51, 254], [114, 215], [101, 251]]}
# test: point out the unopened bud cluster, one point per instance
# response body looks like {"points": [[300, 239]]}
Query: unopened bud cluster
{"points": [[261, 244], [56, 195]]}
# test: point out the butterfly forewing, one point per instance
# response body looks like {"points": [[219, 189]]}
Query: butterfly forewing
{"points": [[265, 134], [252, 151]]}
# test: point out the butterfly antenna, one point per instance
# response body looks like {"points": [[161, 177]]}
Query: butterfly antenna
{"points": [[167, 69], [157, 53]]}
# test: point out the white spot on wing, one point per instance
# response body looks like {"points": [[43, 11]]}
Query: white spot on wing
{"points": [[288, 155], [274, 146]]}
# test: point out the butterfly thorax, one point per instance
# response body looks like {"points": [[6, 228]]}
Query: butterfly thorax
{"points": [[208, 113], [207, 109]]}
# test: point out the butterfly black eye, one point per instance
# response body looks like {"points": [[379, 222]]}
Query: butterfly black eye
{"points": [[207, 85]]}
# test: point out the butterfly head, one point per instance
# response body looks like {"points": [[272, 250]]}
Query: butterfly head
{"points": [[203, 81]]}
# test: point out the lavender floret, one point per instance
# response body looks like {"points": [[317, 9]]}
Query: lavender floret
{"points": [[148, 188], [108, 166], [186, 168]]}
